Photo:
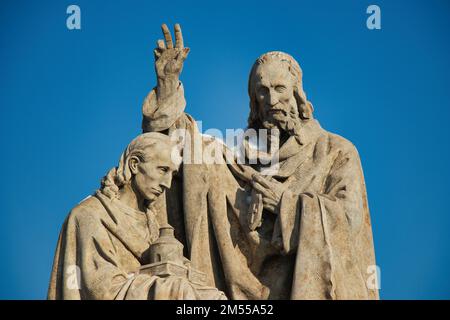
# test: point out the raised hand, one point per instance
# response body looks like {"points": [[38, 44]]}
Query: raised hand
{"points": [[169, 59]]}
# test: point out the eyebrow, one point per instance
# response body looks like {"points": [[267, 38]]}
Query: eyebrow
{"points": [[260, 85], [173, 168]]}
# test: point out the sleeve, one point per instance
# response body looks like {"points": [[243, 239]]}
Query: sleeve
{"points": [[101, 274], [343, 191], [329, 232], [161, 115]]}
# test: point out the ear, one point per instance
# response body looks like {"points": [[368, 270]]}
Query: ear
{"points": [[133, 164]]}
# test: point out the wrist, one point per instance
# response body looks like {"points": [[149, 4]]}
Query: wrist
{"points": [[168, 81], [167, 86]]}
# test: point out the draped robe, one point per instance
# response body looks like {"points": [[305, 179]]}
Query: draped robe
{"points": [[319, 245], [101, 247]]}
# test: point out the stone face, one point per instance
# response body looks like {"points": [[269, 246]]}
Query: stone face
{"points": [[295, 228]]}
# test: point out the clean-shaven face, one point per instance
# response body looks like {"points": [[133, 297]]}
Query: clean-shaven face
{"points": [[155, 175]]}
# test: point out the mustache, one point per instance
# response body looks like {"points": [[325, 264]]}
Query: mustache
{"points": [[278, 110], [290, 123], [278, 107]]}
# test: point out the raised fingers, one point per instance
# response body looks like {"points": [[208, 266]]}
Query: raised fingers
{"points": [[178, 37], [167, 36]]}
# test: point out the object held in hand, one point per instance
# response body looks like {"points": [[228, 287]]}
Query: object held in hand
{"points": [[255, 211], [166, 259]]}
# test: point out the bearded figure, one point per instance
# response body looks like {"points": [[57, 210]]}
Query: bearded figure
{"points": [[302, 231]]}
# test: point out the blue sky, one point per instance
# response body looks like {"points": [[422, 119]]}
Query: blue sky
{"points": [[70, 101]]}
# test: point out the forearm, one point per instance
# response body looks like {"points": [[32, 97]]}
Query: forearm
{"points": [[166, 88], [163, 107]]}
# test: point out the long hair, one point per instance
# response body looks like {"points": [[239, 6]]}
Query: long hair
{"points": [[305, 108], [142, 147]]}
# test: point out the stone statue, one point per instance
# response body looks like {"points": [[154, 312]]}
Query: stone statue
{"points": [[106, 243], [302, 232]]}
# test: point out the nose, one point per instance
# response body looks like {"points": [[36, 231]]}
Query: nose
{"points": [[272, 98], [166, 181]]}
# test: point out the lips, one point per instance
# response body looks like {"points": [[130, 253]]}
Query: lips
{"points": [[277, 111], [157, 191]]}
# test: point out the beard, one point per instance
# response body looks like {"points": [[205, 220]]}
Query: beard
{"points": [[288, 123]]}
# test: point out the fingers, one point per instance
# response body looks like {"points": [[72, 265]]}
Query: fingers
{"points": [[270, 205], [260, 188], [269, 202], [157, 53], [179, 43], [261, 180], [167, 36], [185, 52], [178, 37], [160, 44], [182, 54]]}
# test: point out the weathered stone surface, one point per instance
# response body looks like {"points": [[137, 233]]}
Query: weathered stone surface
{"points": [[301, 231], [107, 238]]}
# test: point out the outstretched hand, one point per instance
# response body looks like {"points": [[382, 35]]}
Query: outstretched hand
{"points": [[169, 59]]}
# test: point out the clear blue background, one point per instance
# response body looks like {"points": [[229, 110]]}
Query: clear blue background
{"points": [[70, 101]]}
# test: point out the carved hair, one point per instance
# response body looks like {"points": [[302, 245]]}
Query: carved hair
{"points": [[142, 147], [305, 108]]}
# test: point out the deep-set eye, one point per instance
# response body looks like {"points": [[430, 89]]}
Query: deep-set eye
{"points": [[164, 169], [262, 91], [280, 88]]}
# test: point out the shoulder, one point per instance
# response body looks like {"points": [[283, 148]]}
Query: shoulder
{"points": [[341, 144], [87, 212]]}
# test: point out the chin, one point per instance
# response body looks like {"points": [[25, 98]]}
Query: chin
{"points": [[275, 122], [269, 123], [151, 197]]}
